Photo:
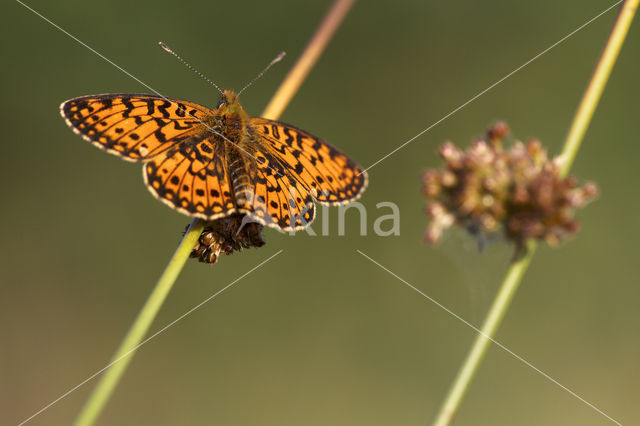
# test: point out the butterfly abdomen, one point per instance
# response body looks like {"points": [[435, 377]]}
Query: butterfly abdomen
{"points": [[240, 179]]}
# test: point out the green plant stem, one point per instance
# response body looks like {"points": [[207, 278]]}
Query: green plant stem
{"points": [[517, 269], [308, 59], [101, 394], [481, 343], [598, 81], [138, 330]]}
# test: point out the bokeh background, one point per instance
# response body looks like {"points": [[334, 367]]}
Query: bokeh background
{"points": [[319, 335]]}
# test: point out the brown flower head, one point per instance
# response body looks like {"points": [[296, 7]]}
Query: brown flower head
{"points": [[487, 189], [226, 235]]}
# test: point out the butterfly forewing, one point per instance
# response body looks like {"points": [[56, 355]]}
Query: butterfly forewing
{"points": [[134, 127], [332, 176]]}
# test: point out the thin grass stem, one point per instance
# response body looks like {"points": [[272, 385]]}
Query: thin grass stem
{"points": [[517, 269], [123, 356], [308, 59], [139, 328]]}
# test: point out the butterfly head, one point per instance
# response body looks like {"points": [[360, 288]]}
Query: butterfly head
{"points": [[229, 104], [231, 117]]}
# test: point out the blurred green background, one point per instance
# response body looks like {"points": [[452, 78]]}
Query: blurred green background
{"points": [[319, 335]]}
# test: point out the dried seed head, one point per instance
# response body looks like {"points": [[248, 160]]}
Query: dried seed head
{"points": [[498, 131], [432, 185], [227, 235], [519, 191], [452, 155]]}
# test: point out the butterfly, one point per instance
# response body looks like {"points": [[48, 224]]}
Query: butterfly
{"points": [[212, 163]]}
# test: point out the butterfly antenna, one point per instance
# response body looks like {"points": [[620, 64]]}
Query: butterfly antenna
{"points": [[167, 49], [276, 59]]}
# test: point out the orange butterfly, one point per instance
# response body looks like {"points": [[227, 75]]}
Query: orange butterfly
{"points": [[211, 163]]}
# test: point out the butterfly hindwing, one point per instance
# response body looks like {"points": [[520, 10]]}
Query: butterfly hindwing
{"points": [[192, 179], [289, 204], [274, 197], [331, 176], [134, 127]]}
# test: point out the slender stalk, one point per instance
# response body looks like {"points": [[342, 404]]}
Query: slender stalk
{"points": [[596, 86], [140, 326], [307, 60], [517, 269], [480, 345], [123, 356]]}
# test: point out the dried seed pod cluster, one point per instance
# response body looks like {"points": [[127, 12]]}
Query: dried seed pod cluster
{"points": [[226, 235], [487, 189]]}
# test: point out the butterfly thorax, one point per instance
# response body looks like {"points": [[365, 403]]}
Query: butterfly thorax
{"points": [[233, 123], [231, 119]]}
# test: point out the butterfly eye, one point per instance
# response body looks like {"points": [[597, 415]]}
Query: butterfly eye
{"points": [[221, 102]]}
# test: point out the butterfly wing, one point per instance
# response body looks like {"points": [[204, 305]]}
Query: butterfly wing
{"points": [[277, 199], [134, 127], [332, 177], [187, 167], [185, 164], [192, 178]]}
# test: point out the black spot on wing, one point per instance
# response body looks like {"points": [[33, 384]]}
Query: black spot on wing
{"points": [[151, 106], [163, 109]]}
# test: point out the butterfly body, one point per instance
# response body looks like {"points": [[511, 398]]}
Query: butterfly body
{"points": [[211, 163]]}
